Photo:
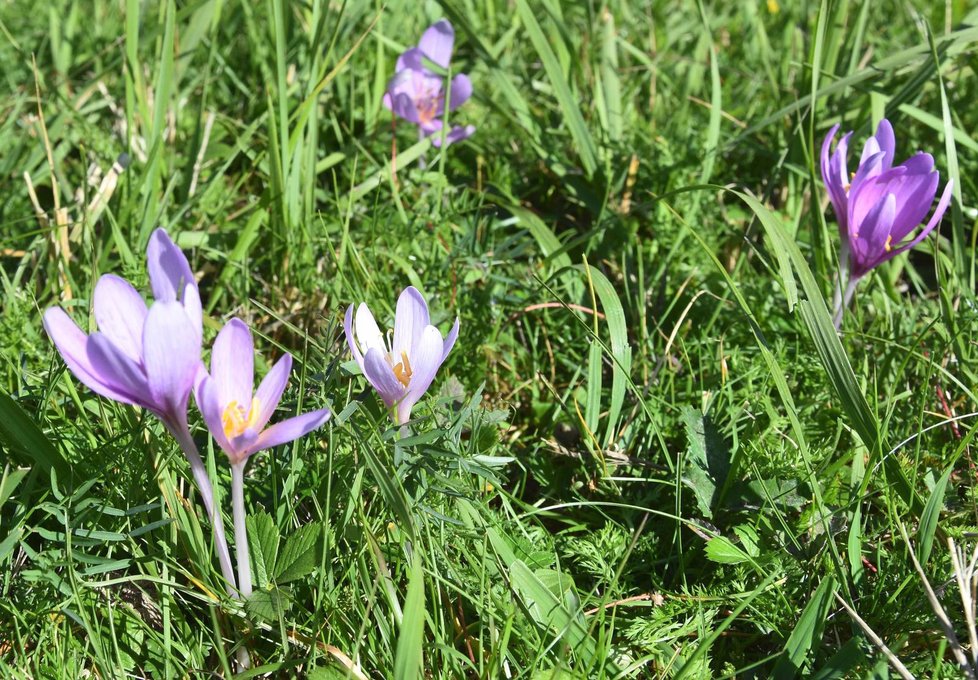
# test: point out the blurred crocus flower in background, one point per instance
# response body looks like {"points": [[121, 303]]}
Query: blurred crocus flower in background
{"points": [[879, 205], [400, 368], [146, 356], [418, 94], [236, 416]]}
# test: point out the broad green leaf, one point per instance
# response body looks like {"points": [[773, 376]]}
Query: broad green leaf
{"points": [[12, 477], [610, 84], [807, 632], [621, 350], [930, 517], [298, 556], [409, 659], [842, 662], [267, 605], [708, 460], [569, 104], [20, 436], [264, 539], [721, 550], [391, 490], [549, 611], [854, 547]]}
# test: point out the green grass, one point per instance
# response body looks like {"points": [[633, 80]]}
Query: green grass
{"points": [[649, 455]]}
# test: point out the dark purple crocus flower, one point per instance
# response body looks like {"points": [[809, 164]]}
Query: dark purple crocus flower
{"points": [[402, 367], [417, 94], [235, 413], [880, 205], [146, 356]]}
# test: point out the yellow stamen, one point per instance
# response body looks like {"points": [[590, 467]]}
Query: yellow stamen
{"points": [[427, 109], [888, 246], [236, 420], [402, 371]]}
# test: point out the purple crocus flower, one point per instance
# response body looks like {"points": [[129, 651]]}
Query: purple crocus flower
{"points": [[879, 206], [400, 368], [235, 414], [146, 356], [143, 356], [417, 94]]}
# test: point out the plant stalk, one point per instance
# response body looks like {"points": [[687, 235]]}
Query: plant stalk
{"points": [[181, 433], [240, 528]]}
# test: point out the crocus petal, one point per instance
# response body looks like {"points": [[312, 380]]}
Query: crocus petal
{"points": [[833, 175], [431, 128], [410, 320], [457, 134], [269, 392], [886, 142], [290, 430], [403, 106], [381, 376], [427, 357], [351, 338], [461, 91], [450, 340], [437, 42], [171, 355], [72, 344], [913, 186], [191, 303], [874, 232], [208, 399], [934, 220], [368, 335], [120, 373], [243, 445], [914, 195], [233, 364], [410, 59], [169, 271], [120, 313]]}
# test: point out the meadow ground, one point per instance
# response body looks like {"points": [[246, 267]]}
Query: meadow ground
{"points": [[648, 455]]}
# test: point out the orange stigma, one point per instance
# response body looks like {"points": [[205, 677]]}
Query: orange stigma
{"points": [[402, 370]]}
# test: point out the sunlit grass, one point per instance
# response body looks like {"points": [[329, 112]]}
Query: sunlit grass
{"points": [[648, 455]]}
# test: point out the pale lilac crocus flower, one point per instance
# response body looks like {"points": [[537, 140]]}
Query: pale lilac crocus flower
{"points": [[146, 356], [401, 367], [878, 206], [236, 416], [417, 94]]}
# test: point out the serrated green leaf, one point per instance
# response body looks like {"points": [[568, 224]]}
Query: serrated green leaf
{"points": [[298, 557], [748, 538], [267, 605], [264, 539], [721, 550], [708, 460]]}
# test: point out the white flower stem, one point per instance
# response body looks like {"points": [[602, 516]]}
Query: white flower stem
{"points": [[240, 528], [181, 433], [846, 299]]}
